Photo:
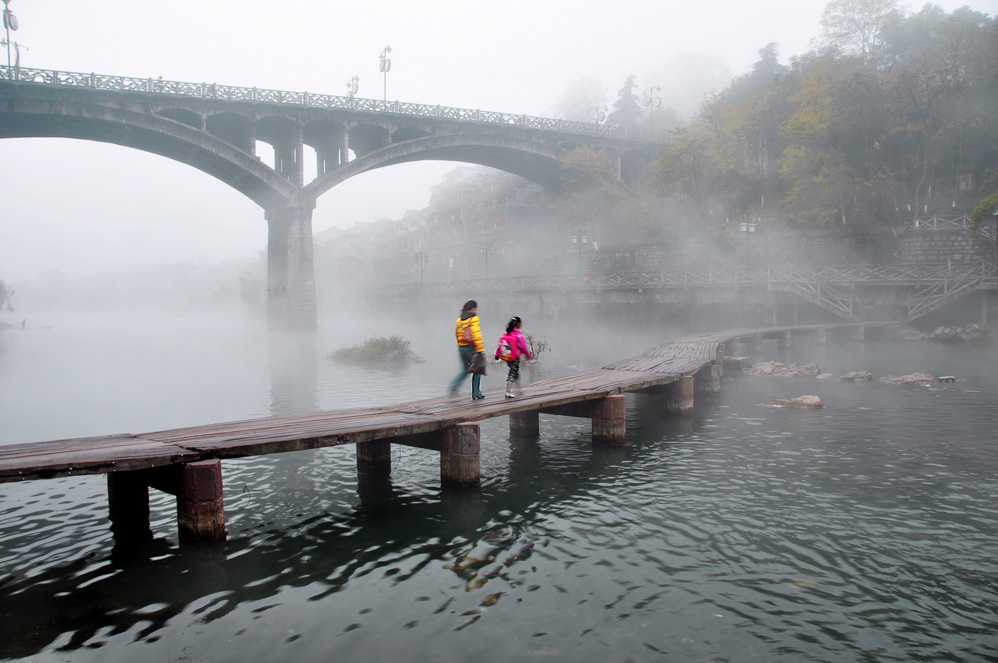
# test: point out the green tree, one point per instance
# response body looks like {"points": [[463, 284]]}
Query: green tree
{"points": [[626, 112], [856, 27]]}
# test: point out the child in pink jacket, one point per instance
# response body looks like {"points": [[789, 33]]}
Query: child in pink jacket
{"points": [[512, 345]]}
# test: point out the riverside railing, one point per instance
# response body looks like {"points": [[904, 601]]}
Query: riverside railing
{"points": [[236, 93]]}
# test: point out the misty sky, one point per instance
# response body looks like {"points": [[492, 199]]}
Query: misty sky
{"points": [[83, 207]]}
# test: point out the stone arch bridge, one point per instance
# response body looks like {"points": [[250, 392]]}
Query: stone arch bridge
{"points": [[215, 128]]}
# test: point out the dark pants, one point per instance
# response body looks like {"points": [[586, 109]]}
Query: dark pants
{"points": [[467, 353], [514, 370]]}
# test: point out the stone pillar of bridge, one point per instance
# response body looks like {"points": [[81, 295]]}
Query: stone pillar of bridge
{"points": [[609, 420], [290, 268], [525, 424], [784, 340], [708, 380], [374, 458], [460, 463], [200, 513], [679, 396], [820, 336]]}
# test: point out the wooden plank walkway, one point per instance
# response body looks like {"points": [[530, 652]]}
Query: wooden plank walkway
{"points": [[187, 461]]}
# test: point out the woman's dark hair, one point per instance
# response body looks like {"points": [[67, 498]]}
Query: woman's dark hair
{"points": [[513, 323], [468, 305]]}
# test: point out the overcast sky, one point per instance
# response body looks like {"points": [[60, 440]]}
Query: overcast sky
{"points": [[83, 207]]}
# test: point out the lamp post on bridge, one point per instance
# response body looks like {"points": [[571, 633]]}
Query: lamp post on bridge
{"points": [[353, 85], [747, 227], [599, 114], [384, 64], [652, 102], [10, 22]]}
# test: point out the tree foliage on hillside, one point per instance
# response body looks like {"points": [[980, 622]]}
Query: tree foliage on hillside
{"points": [[892, 116], [6, 293]]}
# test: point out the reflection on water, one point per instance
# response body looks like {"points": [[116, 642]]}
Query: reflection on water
{"points": [[862, 531]]}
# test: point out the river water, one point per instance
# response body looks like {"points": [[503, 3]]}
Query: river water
{"points": [[864, 531]]}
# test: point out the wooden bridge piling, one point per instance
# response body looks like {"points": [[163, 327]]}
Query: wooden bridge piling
{"points": [[460, 463], [374, 458], [525, 424], [609, 420], [200, 512]]}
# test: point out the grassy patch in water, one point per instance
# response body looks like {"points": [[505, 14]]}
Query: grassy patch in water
{"points": [[377, 349]]}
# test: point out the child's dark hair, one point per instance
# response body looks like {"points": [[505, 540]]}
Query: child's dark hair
{"points": [[513, 323], [468, 305]]}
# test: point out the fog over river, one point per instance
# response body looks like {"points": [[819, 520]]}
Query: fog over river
{"points": [[863, 531]]}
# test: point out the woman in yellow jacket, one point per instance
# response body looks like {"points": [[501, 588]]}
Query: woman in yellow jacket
{"points": [[469, 343]]}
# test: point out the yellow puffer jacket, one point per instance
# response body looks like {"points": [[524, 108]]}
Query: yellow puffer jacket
{"points": [[476, 332]]}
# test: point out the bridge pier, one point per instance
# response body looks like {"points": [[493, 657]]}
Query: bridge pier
{"points": [[374, 458], [460, 454], [708, 379], [290, 268], [525, 424], [197, 487], [609, 420], [784, 340]]}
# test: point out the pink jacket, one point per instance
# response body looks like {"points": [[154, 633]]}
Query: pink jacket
{"points": [[518, 344]]}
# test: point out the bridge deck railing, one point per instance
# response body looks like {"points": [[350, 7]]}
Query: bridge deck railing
{"points": [[236, 93]]}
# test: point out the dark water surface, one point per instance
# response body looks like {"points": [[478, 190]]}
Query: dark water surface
{"points": [[865, 531]]}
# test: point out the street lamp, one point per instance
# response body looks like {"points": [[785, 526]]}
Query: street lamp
{"points": [[384, 64], [599, 114], [580, 239], [421, 256], [748, 228], [653, 102], [10, 22], [486, 248], [353, 85]]}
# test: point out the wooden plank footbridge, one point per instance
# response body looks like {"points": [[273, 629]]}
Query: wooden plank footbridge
{"points": [[186, 462]]}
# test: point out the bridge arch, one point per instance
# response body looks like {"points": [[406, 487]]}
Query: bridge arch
{"points": [[537, 161], [31, 116]]}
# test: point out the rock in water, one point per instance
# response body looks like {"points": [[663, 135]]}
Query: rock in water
{"points": [[912, 379], [802, 402], [857, 375]]}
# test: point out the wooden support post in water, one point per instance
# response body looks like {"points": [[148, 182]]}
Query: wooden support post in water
{"points": [[609, 419], [200, 514], [753, 344], [128, 505], [708, 380], [719, 359], [733, 347], [374, 458], [680, 395], [784, 340], [526, 424], [460, 463]]}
